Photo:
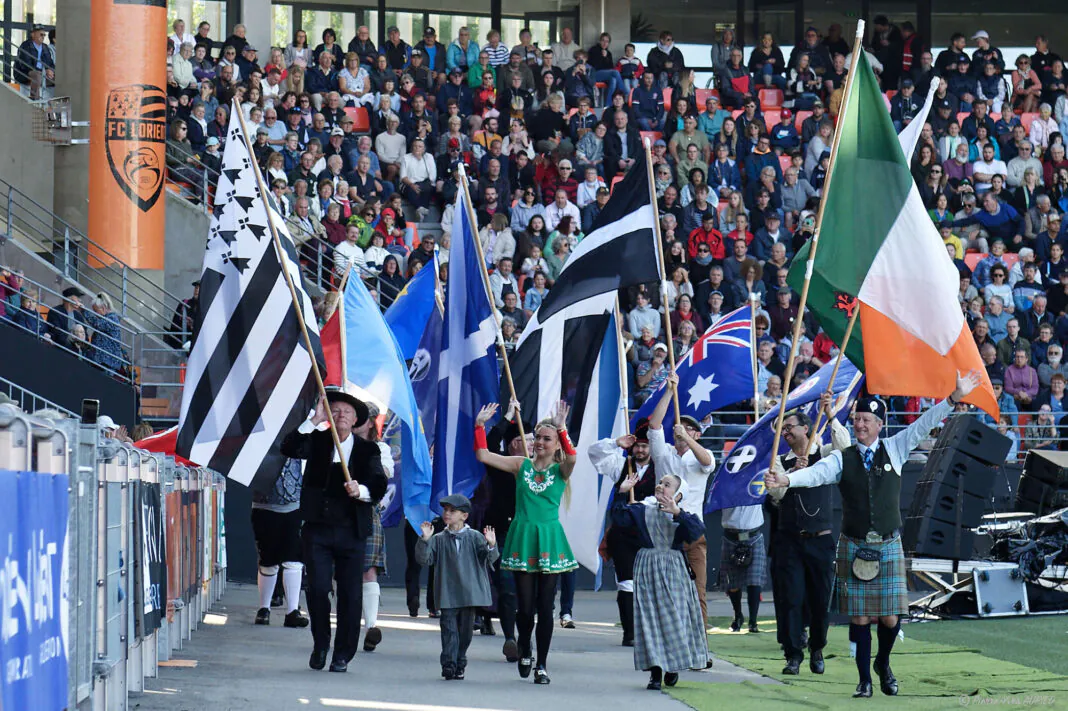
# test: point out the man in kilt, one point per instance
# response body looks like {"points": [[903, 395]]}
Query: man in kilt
{"points": [[870, 563], [622, 543], [375, 560]]}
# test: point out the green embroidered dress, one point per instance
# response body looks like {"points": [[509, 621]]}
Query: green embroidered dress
{"points": [[536, 541]]}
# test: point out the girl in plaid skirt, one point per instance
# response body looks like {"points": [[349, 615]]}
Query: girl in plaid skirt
{"points": [[669, 632]]}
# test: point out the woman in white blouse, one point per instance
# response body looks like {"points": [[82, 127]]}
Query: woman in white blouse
{"points": [[354, 82]]}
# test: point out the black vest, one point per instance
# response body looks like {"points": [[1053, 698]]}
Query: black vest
{"points": [[805, 510], [646, 486], [871, 501]]}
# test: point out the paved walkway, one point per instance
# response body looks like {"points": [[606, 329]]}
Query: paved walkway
{"points": [[241, 666]]}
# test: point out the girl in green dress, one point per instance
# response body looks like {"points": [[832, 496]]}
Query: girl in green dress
{"points": [[536, 550]]}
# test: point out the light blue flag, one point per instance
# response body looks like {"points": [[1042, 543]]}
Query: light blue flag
{"points": [[408, 314], [375, 368], [467, 369]]}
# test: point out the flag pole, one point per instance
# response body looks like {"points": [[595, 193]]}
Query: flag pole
{"points": [[837, 363], [858, 47], [473, 220], [276, 240], [753, 301], [622, 355], [660, 268]]}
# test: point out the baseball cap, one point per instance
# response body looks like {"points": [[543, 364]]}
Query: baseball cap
{"points": [[106, 424], [786, 113], [818, 102], [944, 104], [249, 48], [771, 215], [660, 346], [660, 142], [712, 97], [603, 191], [337, 131], [429, 31], [981, 34], [262, 130], [457, 70], [456, 501], [906, 82], [417, 53], [213, 141], [454, 143], [392, 28]]}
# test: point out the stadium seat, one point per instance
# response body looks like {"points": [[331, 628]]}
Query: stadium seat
{"points": [[973, 258], [728, 446], [615, 180], [772, 118], [736, 113], [653, 136], [702, 96], [784, 162], [961, 115], [1010, 259], [361, 121], [572, 112], [667, 98], [890, 94], [799, 118], [770, 98], [630, 97], [1026, 120]]}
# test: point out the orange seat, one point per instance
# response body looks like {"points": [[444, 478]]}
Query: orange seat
{"points": [[736, 113], [770, 98], [1026, 120], [361, 120], [630, 97], [973, 258], [1010, 259], [615, 180], [703, 94], [890, 94], [653, 136], [784, 162], [728, 446], [572, 112], [667, 98], [799, 118], [772, 118], [961, 116]]}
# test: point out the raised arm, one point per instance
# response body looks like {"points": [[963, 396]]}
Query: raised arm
{"points": [[906, 441], [656, 419], [570, 455], [607, 456], [826, 471], [482, 453], [704, 457]]}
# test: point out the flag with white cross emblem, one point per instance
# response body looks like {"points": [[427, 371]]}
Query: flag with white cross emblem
{"points": [[249, 378]]}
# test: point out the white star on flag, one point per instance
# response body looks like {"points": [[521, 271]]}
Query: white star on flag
{"points": [[701, 390]]}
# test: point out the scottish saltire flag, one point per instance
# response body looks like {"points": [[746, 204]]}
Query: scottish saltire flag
{"points": [[372, 368], [740, 479], [467, 370], [423, 372], [408, 314], [718, 371]]}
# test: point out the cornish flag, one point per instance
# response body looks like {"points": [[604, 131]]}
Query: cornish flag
{"points": [[718, 371], [249, 377]]}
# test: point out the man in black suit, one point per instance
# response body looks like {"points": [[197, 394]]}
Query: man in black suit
{"points": [[63, 317], [621, 147], [337, 521]]}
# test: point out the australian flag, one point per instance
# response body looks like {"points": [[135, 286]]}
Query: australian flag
{"points": [[740, 479], [718, 370]]}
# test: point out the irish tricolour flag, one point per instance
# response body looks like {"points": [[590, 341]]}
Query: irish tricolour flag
{"points": [[879, 251]]}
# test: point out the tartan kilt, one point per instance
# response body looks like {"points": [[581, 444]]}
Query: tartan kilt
{"points": [[376, 545], [669, 631], [886, 595], [731, 576]]}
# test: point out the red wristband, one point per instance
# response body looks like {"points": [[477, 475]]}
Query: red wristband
{"points": [[565, 443], [480, 438]]}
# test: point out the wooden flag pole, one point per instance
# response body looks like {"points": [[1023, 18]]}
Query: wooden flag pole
{"points": [[236, 110], [837, 364], [621, 353], [472, 218], [754, 300], [660, 268], [858, 47]]}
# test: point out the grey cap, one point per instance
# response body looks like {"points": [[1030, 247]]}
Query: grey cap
{"points": [[457, 501]]}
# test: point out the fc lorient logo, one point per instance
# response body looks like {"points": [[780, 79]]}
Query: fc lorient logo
{"points": [[135, 140]]}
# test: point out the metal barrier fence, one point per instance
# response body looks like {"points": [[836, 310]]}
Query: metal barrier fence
{"points": [[144, 551]]}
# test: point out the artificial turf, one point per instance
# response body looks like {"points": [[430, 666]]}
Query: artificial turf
{"points": [[964, 667]]}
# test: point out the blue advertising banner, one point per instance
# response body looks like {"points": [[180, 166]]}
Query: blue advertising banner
{"points": [[33, 591]]}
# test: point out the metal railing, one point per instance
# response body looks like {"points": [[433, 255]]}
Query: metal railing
{"points": [[30, 401], [79, 260], [9, 52], [318, 266], [200, 195], [147, 551]]}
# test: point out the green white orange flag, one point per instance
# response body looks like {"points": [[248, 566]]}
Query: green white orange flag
{"points": [[879, 251]]}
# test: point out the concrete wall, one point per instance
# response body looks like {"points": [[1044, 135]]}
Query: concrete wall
{"points": [[611, 16], [24, 163], [187, 231], [72, 79]]}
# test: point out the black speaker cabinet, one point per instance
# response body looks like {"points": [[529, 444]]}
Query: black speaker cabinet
{"points": [[1039, 498], [928, 537], [952, 466], [1047, 466], [942, 500], [967, 434]]}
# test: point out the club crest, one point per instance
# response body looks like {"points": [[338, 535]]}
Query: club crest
{"points": [[135, 140]]}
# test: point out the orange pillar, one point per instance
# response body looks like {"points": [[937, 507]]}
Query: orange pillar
{"points": [[128, 132]]}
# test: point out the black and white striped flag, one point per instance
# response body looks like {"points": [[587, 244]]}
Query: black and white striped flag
{"points": [[249, 377]]}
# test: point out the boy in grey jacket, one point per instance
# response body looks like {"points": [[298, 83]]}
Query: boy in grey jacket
{"points": [[461, 557]]}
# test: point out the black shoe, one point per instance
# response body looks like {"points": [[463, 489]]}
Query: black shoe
{"points": [[793, 667], [295, 619], [318, 659], [525, 664], [541, 676], [372, 639], [277, 601], [753, 626], [737, 624], [433, 614], [628, 642], [815, 661], [413, 612], [655, 675], [339, 665], [653, 685], [487, 627], [263, 616], [459, 675], [863, 690], [887, 680], [671, 678], [448, 673], [510, 650]]}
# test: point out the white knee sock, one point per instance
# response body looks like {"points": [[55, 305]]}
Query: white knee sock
{"points": [[265, 583], [371, 595], [291, 585]]}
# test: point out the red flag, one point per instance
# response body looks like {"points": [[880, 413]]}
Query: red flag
{"points": [[330, 339], [163, 443]]}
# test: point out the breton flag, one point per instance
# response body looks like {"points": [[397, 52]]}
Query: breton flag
{"points": [[740, 478], [467, 367], [249, 377], [885, 257], [718, 371], [619, 251]]}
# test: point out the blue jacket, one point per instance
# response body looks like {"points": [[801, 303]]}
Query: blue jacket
{"points": [[762, 242], [648, 104], [454, 56], [577, 85], [632, 516], [755, 162], [784, 136], [1005, 224], [719, 174], [315, 82], [465, 99]]}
